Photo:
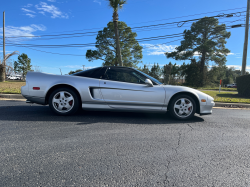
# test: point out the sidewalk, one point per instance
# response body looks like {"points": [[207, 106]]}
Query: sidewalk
{"points": [[217, 104]]}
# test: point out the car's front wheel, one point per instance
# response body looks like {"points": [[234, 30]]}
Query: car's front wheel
{"points": [[64, 101], [182, 107]]}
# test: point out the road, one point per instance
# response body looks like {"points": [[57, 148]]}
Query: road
{"points": [[38, 148]]}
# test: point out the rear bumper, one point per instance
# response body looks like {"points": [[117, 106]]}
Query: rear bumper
{"points": [[38, 100], [31, 99]]}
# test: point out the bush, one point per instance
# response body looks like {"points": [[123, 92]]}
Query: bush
{"points": [[243, 85]]}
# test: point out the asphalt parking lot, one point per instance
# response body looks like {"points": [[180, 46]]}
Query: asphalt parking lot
{"points": [[95, 148]]}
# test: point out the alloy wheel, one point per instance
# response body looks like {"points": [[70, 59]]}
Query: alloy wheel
{"points": [[63, 102], [183, 107]]}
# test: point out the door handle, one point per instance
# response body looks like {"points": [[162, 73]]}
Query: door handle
{"points": [[104, 82]]}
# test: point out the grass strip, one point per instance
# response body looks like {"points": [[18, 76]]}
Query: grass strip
{"points": [[215, 88], [11, 87], [227, 97]]}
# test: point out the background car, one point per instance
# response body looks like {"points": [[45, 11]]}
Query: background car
{"points": [[234, 85]]}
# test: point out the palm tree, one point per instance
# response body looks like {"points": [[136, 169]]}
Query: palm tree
{"points": [[3, 65], [116, 5]]}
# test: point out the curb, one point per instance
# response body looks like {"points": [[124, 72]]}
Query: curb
{"points": [[232, 105], [11, 96], [226, 105]]}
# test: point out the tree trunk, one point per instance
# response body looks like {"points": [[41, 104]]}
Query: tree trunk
{"points": [[2, 73], [118, 50]]}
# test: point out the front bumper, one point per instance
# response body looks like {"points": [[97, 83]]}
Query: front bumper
{"points": [[207, 109]]}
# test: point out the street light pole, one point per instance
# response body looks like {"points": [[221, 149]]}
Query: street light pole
{"points": [[244, 59]]}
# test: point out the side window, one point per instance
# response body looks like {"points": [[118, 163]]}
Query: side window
{"points": [[92, 73], [124, 75]]}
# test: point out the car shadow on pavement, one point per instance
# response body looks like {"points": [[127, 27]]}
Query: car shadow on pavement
{"points": [[27, 112]]}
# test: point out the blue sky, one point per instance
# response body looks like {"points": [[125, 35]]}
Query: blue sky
{"points": [[53, 17]]}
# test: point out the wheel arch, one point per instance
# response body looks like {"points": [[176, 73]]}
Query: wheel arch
{"points": [[59, 86], [191, 95]]}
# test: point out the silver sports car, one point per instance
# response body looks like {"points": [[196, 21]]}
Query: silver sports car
{"points": [[114, 88]]}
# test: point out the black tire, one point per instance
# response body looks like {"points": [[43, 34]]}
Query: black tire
{"points": [[75, 102], [173, 111]]}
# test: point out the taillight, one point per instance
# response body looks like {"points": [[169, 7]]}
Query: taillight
{"points": [[36, 88]]}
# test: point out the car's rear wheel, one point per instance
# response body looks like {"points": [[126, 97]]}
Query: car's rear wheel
{"points": [[64, 101], [182, 107]]}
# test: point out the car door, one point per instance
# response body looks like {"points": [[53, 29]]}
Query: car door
{"points": [[125, 88], [88, 86]]}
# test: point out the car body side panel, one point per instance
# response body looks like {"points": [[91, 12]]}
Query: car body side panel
{"points": [[46, 81], [131, 95]]}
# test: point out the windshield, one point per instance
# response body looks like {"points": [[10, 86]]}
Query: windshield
{"points": [[153, 79]]}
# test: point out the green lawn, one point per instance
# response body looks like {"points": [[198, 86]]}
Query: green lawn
{"points": [[215, 88], [227, 97], [11, 87]]}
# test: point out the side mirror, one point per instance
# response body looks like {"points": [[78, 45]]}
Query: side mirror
{"points": [[149, 82]]}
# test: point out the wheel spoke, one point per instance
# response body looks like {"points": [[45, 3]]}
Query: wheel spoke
{"points": [[56, 101], [180, 112], [183, 101], [60, 107], [177, 106], [189, 105], [67, 105], [69, 98], [62, 95], [187, 112]]}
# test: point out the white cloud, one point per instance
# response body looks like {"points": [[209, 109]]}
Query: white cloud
{"points": [[28, 5], [51, 9], [30, 15], [52, 0], [27, 10], [12, 31], [159, 49], [97, 1], [238, 67]]}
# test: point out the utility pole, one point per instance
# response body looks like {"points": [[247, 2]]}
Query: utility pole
{"points": [[4, 38], [244, 59], [3, 65]]}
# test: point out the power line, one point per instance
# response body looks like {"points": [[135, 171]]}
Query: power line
{"points": [[145, 26], [139, 30], [158, 20], [54, 53], [94, 44], [239, 25]]}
